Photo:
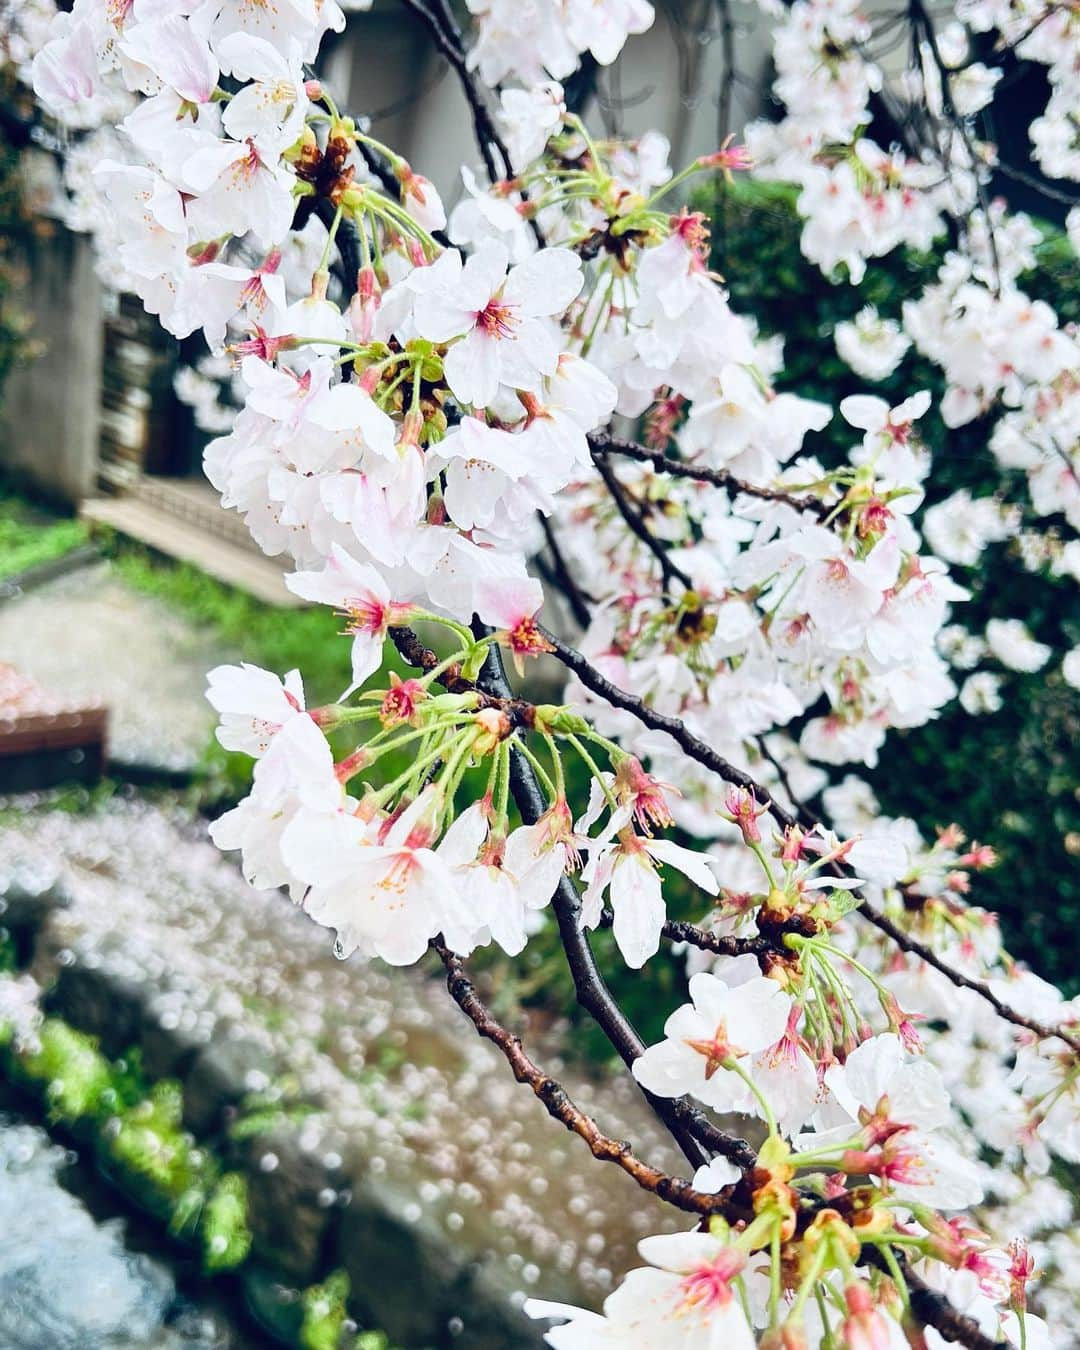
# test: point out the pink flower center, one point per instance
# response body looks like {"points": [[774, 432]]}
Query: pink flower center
{"points": [[497, 319], [709, 1287], [718, 1050], [365, 614], [396, 877], [526, 639]]}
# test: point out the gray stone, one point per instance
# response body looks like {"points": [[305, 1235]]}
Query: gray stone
{"points": [[419, 1285], [290, 1201], [101, 1000], [401, 1272], [489, 1315], [222, 1076], [167, 1052], [24, 911]]}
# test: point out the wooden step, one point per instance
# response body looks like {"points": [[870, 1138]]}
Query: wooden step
{"points": [[191, 542], [46, 739], [194, 502]]}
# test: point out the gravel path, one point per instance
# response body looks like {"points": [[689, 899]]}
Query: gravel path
{"points": [[91, 639]]}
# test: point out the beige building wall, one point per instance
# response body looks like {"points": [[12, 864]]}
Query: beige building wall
{"points": [[670, 79], [51, 409]]}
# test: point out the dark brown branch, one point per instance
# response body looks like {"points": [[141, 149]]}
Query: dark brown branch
{"points": [[563, 578], [909, 944], [677, 930], [448, 43], [559, 1105], [636, 524], [600, 443]]}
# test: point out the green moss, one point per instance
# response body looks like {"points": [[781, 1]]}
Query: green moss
{"points": [[325, 1313], [69, 1071], [224, 1231], [157, 1160], [261, 1112], [326, 1319]]}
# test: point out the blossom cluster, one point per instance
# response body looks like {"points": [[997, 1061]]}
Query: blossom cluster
{"points": [[1003, 355]]}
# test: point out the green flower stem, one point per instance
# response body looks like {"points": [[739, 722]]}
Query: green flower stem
{"points": [[502, 761], [775, 1290], [454, 771], [455, 627], [897, 1274], [809, 1284], [591, 765], [538, 769], [557, 764], [433, 674], [828, 1341], [733, 1065], [387, 793], [759, 854], [692, 168], [324, 261]]}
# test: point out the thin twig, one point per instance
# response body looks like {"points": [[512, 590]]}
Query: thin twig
{"points": [[600, 443], [575, 597], [559, 1105], [636, 523], [909, 944]]}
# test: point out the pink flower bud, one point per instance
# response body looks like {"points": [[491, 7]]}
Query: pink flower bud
{"points": [[864, 1327], [744, 810]]}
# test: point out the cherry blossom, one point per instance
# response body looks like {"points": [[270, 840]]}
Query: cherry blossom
{"points": [[684, 1297], [625, 866], [497, 315], [254, 705], [360, 594], [708, 1039]]}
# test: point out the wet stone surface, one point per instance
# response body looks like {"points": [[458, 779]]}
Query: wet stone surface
{"points": [[68, 1281]]}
